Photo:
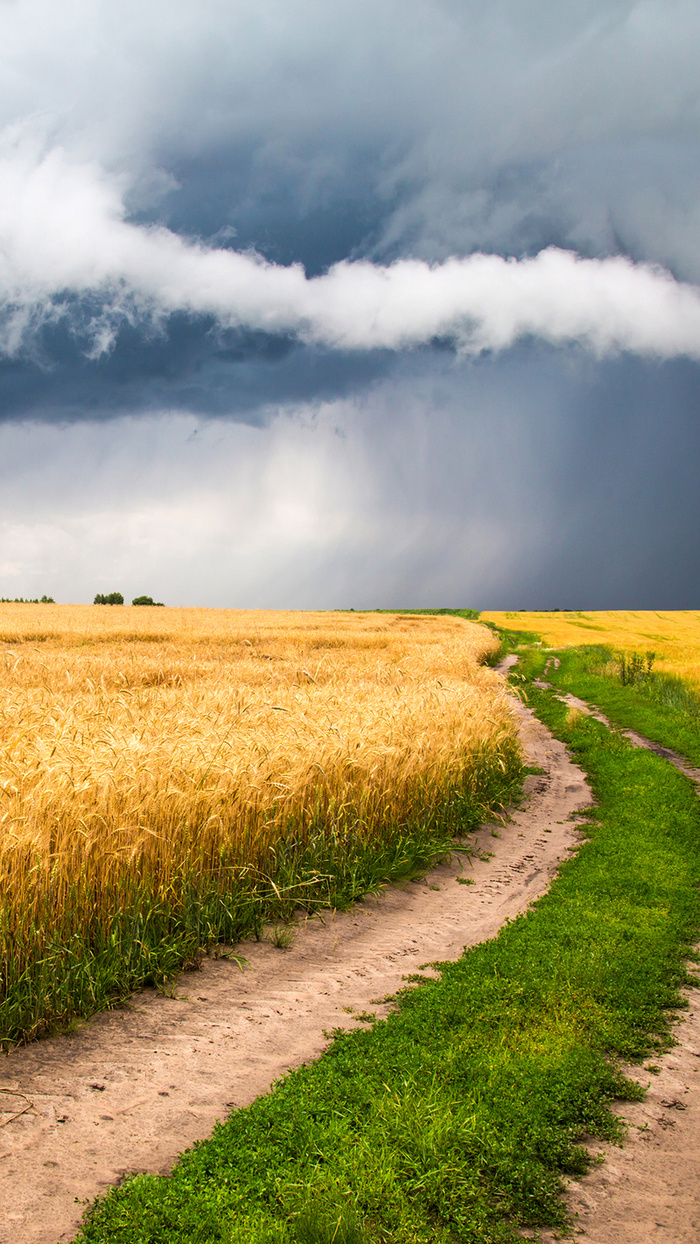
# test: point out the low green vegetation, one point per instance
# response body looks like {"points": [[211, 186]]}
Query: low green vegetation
{"points": [[455, 1118], [469, 615], [518, 642], [631, 693]]}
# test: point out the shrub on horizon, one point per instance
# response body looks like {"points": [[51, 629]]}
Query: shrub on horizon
{"points": [[112, 598]]}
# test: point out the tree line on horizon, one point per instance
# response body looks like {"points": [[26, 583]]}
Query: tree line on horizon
{"points": [[112, 598], [21, 600], [116, 598]]}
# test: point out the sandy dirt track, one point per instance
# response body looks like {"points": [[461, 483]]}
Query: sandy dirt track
{"points": [[648, 1192], [134, 1087]]}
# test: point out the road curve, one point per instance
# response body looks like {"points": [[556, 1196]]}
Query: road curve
{"points": [[135, 1086]]}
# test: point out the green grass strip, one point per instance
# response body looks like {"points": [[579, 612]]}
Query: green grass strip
{"points": [[455, 1118], [660, 707]]}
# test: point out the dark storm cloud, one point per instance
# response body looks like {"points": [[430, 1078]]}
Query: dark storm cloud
{"points": [[547, 480], [163, 164], [542, 480], [317, 133], [618, 462], [219, 198], [190, 365]]}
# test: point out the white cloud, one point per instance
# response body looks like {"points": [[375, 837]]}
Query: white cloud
{"points": [[63, 232], [497, 127]]}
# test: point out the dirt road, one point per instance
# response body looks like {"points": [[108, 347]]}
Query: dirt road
{"points": [[134, 1087], [648, 1192]]}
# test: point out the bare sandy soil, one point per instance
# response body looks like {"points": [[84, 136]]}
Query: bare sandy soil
{"points": [[134, 1087]]}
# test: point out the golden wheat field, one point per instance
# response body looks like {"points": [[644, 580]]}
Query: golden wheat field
{"points": [[138, 742], [674, 636]]}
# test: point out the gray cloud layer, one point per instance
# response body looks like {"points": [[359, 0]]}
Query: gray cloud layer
{"points": [[433, 168], [434, 488], [431, 97], [477, 128]]}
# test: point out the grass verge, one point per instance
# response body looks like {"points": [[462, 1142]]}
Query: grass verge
{"points": [[660, 706], [454, 1119]]}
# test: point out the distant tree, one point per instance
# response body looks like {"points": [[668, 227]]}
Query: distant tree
{"points": [[147, 600], [29, 600], [112, 598]]}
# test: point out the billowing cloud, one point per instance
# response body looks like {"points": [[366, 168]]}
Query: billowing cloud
{"points": [[63, 235], [449, 125]]}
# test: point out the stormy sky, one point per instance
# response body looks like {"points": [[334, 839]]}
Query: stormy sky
{"points": [[351, 304]]}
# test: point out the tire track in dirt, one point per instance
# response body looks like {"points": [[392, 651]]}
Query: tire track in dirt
{"points": [[648, 1192], [135, 1086]]}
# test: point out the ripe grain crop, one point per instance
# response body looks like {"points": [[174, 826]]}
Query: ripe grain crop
{"points": [[459, 1115], [171, 779], [673, 635]]}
